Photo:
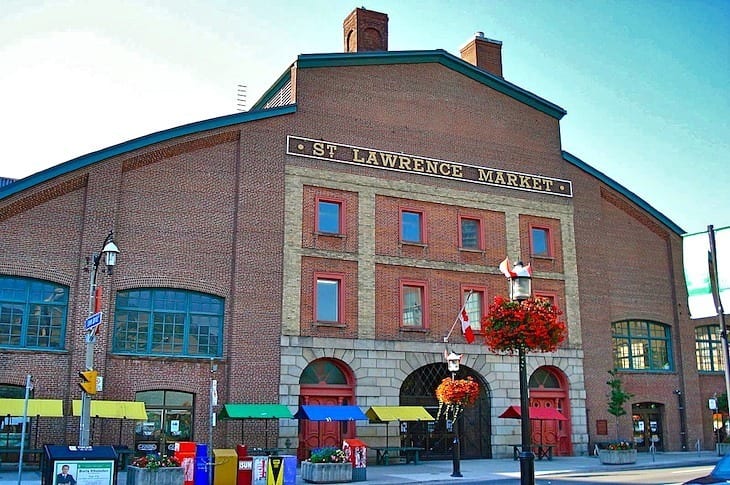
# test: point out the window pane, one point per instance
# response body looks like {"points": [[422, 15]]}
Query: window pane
{"points": [[328, 217], [474, 309], [642, 345], [540, 242], [470, 233], [328, 292], [410, 226], [412, 306], [168, 322], [32, 313]]}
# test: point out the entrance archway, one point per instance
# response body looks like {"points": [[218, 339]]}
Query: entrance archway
{"points": [[325, 382], [549, 389], [475, 429]]}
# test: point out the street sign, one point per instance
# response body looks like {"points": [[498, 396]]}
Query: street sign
{"points": [[93, 321]]}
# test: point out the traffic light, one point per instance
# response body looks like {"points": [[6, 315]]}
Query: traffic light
{"points": [[88, 381]]}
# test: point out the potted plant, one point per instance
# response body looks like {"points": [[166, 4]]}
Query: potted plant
{"points": [[327, 465], [154, 469], [618, 452]]}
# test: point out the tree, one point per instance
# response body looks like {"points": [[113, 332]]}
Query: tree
{"points": [[617, 397]]}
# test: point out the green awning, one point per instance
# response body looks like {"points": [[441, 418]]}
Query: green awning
{"points": [[113, 409], [255, 411], [36, 407], [385, 414]]}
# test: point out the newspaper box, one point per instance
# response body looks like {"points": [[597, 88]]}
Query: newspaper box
{"points": [[356, 452]]}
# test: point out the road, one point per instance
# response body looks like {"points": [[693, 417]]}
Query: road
{"points": [[661, 476]]}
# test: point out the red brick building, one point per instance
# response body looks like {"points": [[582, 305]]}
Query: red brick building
{"points": [[316, 250]]}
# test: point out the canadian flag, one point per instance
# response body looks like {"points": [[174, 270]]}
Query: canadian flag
{"points": [[466, 326]]}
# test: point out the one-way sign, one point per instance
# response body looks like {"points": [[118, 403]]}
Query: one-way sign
{"points": [[93, 321]]}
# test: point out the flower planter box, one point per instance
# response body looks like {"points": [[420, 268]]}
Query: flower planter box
{"points": [[159, 476], [326, 472], [617, 457]]}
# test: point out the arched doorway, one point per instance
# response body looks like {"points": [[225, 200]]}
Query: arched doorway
{"points": [[474, 424], [325, 382], [648, 425], [549, 389]]}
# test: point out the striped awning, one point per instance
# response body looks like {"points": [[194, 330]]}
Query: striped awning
{"points": [[36, 407], [114, 409]]}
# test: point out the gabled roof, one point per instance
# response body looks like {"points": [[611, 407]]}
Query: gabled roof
{"points": [[439, 56], [141, 142], [573, 160]]}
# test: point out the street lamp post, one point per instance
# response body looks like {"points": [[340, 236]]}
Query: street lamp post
{"points": [[520, 289], [453, 361], [109, 251]]}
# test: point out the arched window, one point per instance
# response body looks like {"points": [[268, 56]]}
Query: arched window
{"points": [[32, 313], [708, 347], [641, 345], [154, 321]]}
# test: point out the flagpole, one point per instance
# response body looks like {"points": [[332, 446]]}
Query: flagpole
{"points": [[715, 289], [466, 300]]}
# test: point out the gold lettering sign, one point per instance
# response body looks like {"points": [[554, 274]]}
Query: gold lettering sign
{"points": [[400, 162]]}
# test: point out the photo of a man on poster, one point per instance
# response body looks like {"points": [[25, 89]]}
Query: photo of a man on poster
{"points": [[65, 475]]}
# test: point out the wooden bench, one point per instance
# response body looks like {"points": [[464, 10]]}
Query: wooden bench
{"points": [[540, 451], [385, 454]]}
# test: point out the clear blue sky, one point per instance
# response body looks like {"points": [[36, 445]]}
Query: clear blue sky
{"points": [[645, 82]]}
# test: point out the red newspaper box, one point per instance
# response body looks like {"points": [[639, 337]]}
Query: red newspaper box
{"points": [[244, 475], [185, 452], [356, 451]]}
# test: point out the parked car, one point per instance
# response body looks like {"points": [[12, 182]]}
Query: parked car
{"points": [[719, 474]]}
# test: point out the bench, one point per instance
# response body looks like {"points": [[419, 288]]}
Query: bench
{"points": [[540, 451], [384, 454]]}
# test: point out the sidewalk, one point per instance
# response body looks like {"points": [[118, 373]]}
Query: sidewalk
{"points": [[504, 470]]}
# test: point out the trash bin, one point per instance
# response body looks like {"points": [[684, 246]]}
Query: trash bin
{"points": [[356, 451], [245, 466], [202, 468], [226, 463], [185, 452]]}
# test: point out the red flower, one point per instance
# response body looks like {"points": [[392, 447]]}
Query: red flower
{"points": [[454, 395], [531, 325]]}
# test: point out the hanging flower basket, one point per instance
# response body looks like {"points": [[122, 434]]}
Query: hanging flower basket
{"points": [[530, 325], [454, 395]]}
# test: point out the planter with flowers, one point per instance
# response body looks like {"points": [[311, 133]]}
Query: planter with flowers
{"points": [[618, 453], [155, 469], [327, 465]]}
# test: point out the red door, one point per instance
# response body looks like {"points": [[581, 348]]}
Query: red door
{"points": [[316, 434]]}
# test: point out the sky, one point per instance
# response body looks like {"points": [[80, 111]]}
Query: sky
{"points": [[646, 83]]}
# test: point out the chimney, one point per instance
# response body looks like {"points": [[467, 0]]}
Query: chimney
{"points": [[484, 53], [366, 30]]}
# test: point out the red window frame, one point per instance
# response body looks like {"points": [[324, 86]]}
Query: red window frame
{"points": [[340, 279], [480, 233], [424, 302], [475, 322], [548, 241], [422, 229], [341, 221]]}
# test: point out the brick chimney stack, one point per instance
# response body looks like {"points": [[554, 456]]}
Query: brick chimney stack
{"points": [[366, 30], [484, 53]]}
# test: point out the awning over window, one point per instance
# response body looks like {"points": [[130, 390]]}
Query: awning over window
{"points": [[113, 409], [330, 413], [255, 411], [544, 414], [36, 407], [384, 414]]}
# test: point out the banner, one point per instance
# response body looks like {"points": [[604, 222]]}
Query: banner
{"points": [[697, 262]]}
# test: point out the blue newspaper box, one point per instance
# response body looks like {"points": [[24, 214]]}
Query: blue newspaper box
{"points": [[86, 464], [202, 469]]}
